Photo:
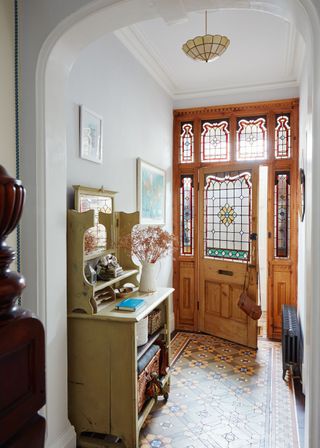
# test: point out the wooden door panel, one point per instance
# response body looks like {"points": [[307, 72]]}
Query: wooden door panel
{"points": [[226, 303], [281, 292], [187, 296], [212, 302], [221, 312], [228, 206], [237, 313], [237, 331]]}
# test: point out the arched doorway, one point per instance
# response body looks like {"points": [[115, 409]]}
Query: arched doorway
{"points": [[57, 55]]}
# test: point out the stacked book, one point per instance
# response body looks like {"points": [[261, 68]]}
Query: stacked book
{"points": [[129, 304]]}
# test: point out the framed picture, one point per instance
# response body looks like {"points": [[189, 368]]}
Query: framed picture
{"points": [[96, 238], [90, 135], [151, 193]]}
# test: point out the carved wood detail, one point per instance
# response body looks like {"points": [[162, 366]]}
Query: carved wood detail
{"points": [[187, 295]]}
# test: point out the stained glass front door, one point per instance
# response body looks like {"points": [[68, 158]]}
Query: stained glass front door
{"points": [[228, 223]]}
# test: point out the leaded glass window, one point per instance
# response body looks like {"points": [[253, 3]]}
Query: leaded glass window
{"points": [[282, 137], [227, 213], [186, 215], [252, 139], [215, 141], [186, 143], [282, 214]]}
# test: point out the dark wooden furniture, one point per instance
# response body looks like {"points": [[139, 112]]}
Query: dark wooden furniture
{"points": [[22, 359]]}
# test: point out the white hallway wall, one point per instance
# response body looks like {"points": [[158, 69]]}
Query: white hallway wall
{"points": [[137, 121]]}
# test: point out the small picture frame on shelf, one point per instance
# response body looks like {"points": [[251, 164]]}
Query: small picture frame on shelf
{"points": [[98, 200], [90, 135], [151, 193]]}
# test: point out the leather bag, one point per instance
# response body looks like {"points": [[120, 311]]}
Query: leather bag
{"points": [[246, 304], [251, 308]]}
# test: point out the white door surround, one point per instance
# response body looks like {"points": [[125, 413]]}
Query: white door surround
{"points": [[55, 60]]}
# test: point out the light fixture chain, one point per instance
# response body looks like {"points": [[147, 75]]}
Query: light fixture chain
{"points": [[206, 27]]}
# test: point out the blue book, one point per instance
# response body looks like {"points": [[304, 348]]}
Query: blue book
{"points": [[129, 304]]}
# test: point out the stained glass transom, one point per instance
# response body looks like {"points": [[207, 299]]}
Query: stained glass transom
{"points": [[252, 139], [98, 204], [282, 214], [215, 141], [227, 216], [186, 143], [282, 137], [186, 215]]}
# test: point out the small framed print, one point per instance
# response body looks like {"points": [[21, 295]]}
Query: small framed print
{"points": [[90, 135], [151, 193]]}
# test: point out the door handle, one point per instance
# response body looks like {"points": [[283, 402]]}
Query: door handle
{"points": [[225, 272]]}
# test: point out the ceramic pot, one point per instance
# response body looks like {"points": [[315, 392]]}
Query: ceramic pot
{"points": [[148, 277]]}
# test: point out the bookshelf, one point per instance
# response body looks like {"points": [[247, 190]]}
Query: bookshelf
{"points": [[102, 364]]}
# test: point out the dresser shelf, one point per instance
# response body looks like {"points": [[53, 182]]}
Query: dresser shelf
{"points": [[101, 284], [82, 295], [151, 340], [102, 357]]}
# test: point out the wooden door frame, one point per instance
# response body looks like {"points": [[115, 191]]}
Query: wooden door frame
{"points": [[270, 110]]}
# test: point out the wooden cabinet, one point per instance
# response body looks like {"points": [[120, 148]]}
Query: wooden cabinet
{"points": [[102, 362], [102, 342]]}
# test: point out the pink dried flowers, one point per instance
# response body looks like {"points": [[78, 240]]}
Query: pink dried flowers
{"points": [[147, 243]]}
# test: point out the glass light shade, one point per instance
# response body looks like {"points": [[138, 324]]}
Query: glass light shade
{"points": [[206, 48]]}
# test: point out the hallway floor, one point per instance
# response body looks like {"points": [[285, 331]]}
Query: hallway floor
{"points": [[223, 396]]}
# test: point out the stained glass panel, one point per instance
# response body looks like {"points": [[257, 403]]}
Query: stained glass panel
{"points": [[215, 141], [227, 213], [186, 143], [186, 215], [282, 214], [252, 139], [282, 137]]}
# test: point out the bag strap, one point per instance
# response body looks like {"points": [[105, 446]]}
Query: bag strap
{"points": [[246, 276]]}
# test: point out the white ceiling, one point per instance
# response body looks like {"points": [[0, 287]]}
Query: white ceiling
{"points": [[265, 52]]}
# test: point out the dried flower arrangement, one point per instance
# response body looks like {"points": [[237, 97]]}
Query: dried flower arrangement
{"points": [[147, 243]]}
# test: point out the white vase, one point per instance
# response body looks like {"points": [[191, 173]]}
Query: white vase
{"points": [[148, 277]]}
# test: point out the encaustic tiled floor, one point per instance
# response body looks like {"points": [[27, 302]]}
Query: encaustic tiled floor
{"points": [[223, 396]]}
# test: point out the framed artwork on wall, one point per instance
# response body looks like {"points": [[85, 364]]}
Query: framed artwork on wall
{"points": [[151, 193], [90, 135]]}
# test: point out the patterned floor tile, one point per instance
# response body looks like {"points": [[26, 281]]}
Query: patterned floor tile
{"points": [[223, 396]]}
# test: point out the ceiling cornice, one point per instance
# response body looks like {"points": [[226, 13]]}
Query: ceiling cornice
{"points": [[135, 41], [236, 89]]}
